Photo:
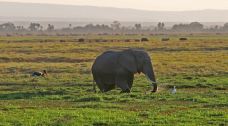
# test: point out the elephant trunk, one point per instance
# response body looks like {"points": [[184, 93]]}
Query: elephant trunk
{"points": [[148, 71]]}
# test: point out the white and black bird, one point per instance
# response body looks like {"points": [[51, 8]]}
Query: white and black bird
{"points": [[37, 74], [174, 90]]}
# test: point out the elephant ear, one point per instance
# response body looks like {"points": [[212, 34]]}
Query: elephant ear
{"points": [[128, 61]]}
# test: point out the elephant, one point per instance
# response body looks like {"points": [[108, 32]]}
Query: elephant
{"points": [[117, 68]]}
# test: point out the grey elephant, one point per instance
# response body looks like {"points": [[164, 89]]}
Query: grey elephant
{"points": [[117, 68]]}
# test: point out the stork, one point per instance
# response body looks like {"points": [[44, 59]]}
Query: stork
{"points": [[37, 74]]}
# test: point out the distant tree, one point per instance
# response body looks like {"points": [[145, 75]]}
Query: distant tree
{"points": [[35, 27], [50, 27], [160, 26], [216, 27], [138, 26], [41, 28], [225, 27], [91, 28], [192, 27], [70, 25], [195, 26], [179, 27], [19, 28], [115, 25], [163, 25], [8, 27]]}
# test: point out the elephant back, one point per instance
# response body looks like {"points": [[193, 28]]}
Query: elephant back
{"points": [[105, 63]]}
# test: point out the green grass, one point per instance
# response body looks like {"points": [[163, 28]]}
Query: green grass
{"points": [[197, 67]]}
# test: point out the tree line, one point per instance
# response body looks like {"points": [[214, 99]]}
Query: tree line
{"points": [[114, 27]]}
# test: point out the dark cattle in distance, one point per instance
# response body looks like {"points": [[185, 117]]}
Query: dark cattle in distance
{"points": [[144, 39], [62, 40], [137, 40], [165, 39], [104, 40], [127, 40], [81, 40], [183, 39]]}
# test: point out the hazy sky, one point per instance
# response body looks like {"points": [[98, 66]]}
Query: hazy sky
{"points": [[170, 5]]}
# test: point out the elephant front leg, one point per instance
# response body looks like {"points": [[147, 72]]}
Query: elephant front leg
{"points": [[122, 82], [130, 80]]}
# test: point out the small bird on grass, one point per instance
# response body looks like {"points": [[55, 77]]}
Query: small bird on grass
{"points": [[37, 74], [174, 90]]}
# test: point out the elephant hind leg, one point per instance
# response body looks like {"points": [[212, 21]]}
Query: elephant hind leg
{"points": [[100, 87], [100, 84], [109, 87], [126, 91], [105, 87]]}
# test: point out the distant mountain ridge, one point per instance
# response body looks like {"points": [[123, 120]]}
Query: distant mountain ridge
{"points": [[30, 11]]}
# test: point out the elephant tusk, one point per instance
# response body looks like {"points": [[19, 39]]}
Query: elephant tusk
{"points": [[150, 80], [153, 84]]}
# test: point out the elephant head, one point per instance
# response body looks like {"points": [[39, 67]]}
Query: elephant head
{"points": [[136, 61]]}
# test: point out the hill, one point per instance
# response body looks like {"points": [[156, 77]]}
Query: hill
{"points": [[52, 12]]}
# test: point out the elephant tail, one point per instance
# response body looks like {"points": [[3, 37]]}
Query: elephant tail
{"points": [[94, 86]]}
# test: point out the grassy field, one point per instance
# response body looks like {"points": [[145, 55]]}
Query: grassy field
{"points": [[197, 67]]}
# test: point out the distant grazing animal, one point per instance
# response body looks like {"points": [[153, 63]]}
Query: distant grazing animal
{"points": [[165, 39], [104, 40], [127, 40], [117, 68], [183, 39], [37, 74], [62, 40], [144, 39], [137, 40], [81, 40]]}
